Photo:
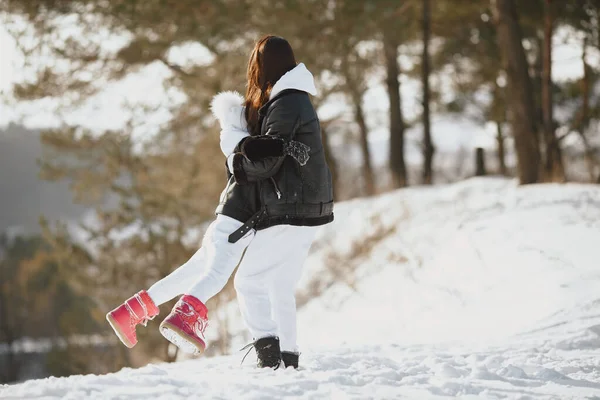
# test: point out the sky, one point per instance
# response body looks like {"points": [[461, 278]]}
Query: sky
{"points": [[8, 60], [7, 55]]}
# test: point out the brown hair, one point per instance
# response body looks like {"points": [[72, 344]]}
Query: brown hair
{"points": [[271, 58]]}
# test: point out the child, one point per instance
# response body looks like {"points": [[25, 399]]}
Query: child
{"points": [[214, 262]]}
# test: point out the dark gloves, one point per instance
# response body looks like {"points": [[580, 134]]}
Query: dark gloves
{"points": [[256, 148], [259, 147]]}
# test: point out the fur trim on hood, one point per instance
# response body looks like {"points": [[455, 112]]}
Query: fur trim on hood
{"points": [[227, 107], [225, 102]]}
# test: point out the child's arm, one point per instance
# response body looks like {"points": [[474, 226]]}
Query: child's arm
{"points": [[228, 108], [261, 157]]}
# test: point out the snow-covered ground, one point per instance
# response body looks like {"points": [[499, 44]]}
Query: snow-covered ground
{"points": [[480, 289]]}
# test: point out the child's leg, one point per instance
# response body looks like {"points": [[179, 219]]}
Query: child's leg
{"points": [[220, 258], [216, 252], [282, 287]]}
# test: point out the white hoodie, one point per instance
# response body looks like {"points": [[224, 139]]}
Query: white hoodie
{"points": [[298, 78], [228, 107]]}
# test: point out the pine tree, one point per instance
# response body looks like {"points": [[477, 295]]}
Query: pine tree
{"points": [[38, 301], [395, 21]]}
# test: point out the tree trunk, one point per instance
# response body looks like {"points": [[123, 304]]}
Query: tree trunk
{"points": [[499, 114], [353, 89], [397, 126], [331, 161], [585, 89], [590, 158], [480, 169], [554, 170], [501, 149], [428, 149], [359, 116], [520, 93], [9, 372]]}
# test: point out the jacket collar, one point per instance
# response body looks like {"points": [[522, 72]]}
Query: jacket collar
{"points": [[263, 110]]}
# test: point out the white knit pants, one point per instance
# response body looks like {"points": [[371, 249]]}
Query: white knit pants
{"points": [[266, 279], [209, 269]]}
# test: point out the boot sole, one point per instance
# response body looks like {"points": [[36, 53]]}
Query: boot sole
{"points": [[183, 341], [113, 324]]}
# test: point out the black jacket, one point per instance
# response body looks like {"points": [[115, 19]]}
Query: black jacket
{"points": [[269, 187]]}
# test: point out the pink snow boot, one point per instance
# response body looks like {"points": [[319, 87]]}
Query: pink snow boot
{"points": [[138, 309], [185, 325]]}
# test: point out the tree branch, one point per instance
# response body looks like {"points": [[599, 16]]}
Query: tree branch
{"points": [[403, 8], [560, 138], [176, 68]]}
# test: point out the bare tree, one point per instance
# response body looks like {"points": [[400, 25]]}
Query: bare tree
{"points": [[501, 149], [584, 116], [520, 93], [397, 126], [554, 169], [499, 117], [353, 87], [331, 161], [428, 149]]}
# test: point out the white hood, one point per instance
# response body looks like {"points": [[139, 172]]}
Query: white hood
{"points": [[226, 105], [298, 78], [228, 108]]}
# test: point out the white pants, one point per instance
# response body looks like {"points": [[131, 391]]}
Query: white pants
{"points": [[266, 279]]}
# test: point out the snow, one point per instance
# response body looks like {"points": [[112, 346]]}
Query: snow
{"points": [[474, 243], [370, 371], [476, 290]]}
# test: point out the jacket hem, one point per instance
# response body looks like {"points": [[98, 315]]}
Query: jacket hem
{"points": [[233, 212]]}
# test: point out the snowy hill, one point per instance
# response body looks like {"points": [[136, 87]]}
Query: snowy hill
{"points": [[480, 289]]}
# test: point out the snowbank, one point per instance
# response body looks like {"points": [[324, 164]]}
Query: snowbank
{"points": [[475, 260], [481, 289]]}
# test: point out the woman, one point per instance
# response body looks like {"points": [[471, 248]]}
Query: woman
{"points": [[279, 191]]}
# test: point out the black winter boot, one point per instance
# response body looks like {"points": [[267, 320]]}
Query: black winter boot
{"points": [[290, 359], [268, 352]]}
